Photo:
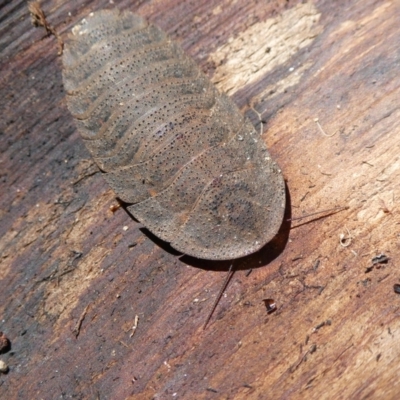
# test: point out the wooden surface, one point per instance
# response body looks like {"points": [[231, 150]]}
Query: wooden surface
{"points": [[74, 275]]}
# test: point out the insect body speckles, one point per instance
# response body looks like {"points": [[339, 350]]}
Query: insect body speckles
{"points": [[169, 144]]}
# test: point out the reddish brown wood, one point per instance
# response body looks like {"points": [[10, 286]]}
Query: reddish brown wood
{"points": [[74, 274]]}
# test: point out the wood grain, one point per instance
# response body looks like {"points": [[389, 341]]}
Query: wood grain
{"points": [[75, 274]]}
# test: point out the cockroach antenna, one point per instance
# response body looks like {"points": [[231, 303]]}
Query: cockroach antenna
{"points": [[218, 298]]}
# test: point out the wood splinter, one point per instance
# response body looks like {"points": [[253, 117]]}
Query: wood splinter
{"points": [[78, 325], [38, 18]]}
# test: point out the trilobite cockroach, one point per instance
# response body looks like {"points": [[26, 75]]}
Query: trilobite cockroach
{"points": [[193, 169]]}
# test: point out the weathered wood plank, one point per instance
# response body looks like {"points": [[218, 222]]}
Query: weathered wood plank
{"points": [[74, 274]]}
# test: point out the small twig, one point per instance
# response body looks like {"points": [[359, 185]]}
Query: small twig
{"points": [[38, 19], [78, 325], [89, 174], [303, 357], [321, 324], [135, 324], [366, 162]]}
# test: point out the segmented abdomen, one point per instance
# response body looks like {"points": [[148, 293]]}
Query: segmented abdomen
{"points": [[195, 171]]}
